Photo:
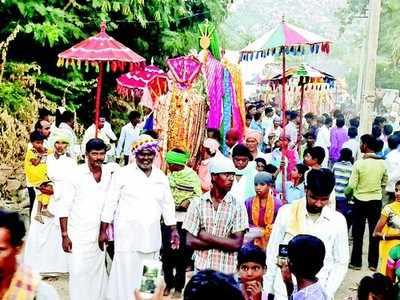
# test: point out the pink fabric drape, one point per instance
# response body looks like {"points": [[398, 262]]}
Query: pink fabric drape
{"points": [[215, 86]]}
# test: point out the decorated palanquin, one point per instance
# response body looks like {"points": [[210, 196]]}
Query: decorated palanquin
{"points": [[181, 114]]}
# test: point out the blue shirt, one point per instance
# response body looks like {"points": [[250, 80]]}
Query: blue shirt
{"points": [[293, 193]]}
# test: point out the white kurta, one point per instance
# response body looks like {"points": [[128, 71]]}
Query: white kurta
{"points": [[324, 141], [43, 251], [136, 203], [82, 204], [331, 228]]}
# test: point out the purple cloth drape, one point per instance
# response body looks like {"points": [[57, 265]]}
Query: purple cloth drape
{"points": [[215, 86]]}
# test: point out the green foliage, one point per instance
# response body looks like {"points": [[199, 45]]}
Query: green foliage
{"points": [[14, 96], [388, 61], [156, 29]]}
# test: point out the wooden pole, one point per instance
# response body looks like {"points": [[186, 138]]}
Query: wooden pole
{"points": [[284, 148], [368, 96], [301, 118], [98, 96]]}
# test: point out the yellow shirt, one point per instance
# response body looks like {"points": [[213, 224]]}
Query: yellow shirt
{"points": [[35, 175]]}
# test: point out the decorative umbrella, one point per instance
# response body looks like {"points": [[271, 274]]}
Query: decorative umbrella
{"points": [[285, 39], [151, 82], [96, 51], [305, 75]]}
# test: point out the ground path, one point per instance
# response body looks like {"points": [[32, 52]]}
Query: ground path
{"points": [[348, 287]]}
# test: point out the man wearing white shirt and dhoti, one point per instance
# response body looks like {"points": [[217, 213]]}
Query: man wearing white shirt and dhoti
{"points": [[82, 204], [138, 197], [43, 251], [311, 215]]}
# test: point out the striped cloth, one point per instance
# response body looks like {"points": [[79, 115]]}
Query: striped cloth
{"points": [[342, 171], [230, 217]]}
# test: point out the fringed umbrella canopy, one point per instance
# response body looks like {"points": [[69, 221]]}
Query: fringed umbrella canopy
{"points": [[99, 50], [102, 48], [285, 39], [150, 81], [294, 40], [305, 74]]}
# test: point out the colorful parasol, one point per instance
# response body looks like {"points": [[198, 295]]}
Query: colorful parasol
{"points": [[150, 82], [285, 39], [96, 51], [306, 76]]}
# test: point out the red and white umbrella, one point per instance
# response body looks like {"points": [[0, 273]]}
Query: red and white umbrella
{"points": [[150, 82], [97, 51]]}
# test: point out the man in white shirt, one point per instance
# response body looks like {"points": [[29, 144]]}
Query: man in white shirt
{"points": [[324, 139], [267, 122], [137, 199], [129, 133], [66, 127], [82, 204], [311, 215], [90, 133]]}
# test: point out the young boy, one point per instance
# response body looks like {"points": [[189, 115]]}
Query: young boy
{"points": [[36, 173], [251, 268], [342, 170], [306, 255], [353, 144]]}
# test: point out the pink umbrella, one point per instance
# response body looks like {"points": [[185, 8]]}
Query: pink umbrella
{"points": [[151, 82], [97, 50]]}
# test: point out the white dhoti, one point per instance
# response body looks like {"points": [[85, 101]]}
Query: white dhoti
{"points": [[43, 247], [126, 274], [87, 275]]}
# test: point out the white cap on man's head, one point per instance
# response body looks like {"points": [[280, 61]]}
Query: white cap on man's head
{"points": [[221, 165]]}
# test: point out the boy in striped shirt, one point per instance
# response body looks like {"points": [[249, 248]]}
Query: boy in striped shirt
{"points": [[342, 170]]}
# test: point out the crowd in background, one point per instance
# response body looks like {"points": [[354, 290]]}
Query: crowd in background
{"points": [[282, 206]]}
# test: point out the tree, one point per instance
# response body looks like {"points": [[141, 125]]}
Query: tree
{"points": [[156, 29]]}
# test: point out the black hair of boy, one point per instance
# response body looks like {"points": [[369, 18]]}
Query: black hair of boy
{"points": [[317, 153], [387, 129], [355, 122], [378, 284], [346, 155], [340, 122], [393, 141], [36, 136], [212, 285], [271, 169], [352, 132], [306, 255], [14, 224], [376, 131], [251, 253]]}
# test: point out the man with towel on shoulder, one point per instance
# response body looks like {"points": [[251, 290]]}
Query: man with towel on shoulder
{"points": [[311, 215]]}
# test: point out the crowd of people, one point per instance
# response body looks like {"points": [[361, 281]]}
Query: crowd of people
{"points": [[268, 213]]}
